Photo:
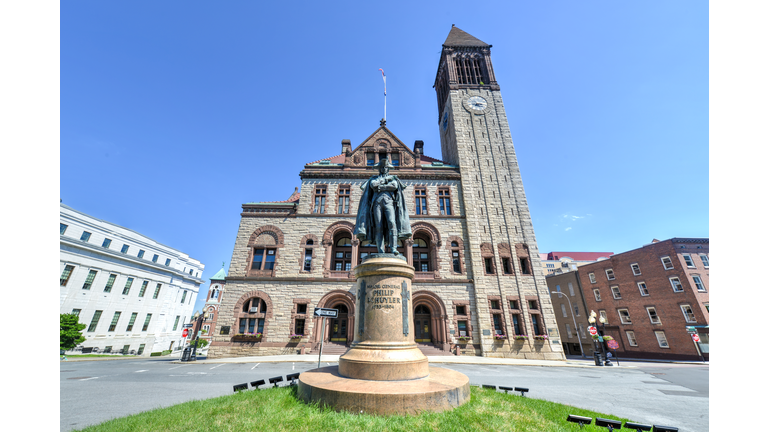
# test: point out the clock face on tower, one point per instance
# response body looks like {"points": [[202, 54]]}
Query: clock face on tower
{"points": [[476, 103]]}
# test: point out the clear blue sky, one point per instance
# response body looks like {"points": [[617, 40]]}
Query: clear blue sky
{"points": [[173, 114]]}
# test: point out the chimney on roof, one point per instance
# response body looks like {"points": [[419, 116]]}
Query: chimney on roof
{"points": [[346, 147], [418, 147], [654, 241]]}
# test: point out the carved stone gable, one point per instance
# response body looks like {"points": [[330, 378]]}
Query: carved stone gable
{"points": [[379, 143]]}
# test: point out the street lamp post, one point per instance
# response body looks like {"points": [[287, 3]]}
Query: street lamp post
{"points": [[198, 326], [575, 327], [600, 330]]}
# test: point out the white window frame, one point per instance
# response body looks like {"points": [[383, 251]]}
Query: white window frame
{"points": [[643, 287], [699, 283], [621, 316], [611, 275], [663, 342], [616, 292], [689, 317], [592, 278], [674, 287], [631, 339], [648, 309], [596, 292], [689, 261], [704, 260], [634, 266], [671, 266]]}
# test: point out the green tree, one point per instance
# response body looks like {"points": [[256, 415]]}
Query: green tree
{"points": [[201, 343], [70, 331]]}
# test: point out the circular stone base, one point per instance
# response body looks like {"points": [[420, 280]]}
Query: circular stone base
{"points": [[442, 390]]}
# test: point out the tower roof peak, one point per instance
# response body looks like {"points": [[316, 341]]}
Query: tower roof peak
{"points": [[458, 38]]}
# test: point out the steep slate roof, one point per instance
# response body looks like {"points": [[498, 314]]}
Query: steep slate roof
{"points": [[458, 38]]}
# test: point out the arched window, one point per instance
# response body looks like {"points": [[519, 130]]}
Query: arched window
{"points": [[342, 252], [366, 248], [421, 261], [252, 321]]}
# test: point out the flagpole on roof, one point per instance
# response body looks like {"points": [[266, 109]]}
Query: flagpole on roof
{"points": [[385, 93]]}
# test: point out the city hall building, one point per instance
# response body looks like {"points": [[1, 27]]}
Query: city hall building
{"points": [[479, 287]]}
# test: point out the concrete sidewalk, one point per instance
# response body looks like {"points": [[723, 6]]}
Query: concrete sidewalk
{"points": [[433, 360]]}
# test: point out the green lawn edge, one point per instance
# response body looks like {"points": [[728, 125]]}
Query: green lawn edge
{"points": [[278, 409]]}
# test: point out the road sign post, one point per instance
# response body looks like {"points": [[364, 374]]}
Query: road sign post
{"points": [[325, 313]]}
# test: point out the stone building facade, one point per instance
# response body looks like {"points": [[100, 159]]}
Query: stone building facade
{"points": [[478, 270]]}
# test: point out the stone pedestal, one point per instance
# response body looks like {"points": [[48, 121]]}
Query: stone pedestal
{"points": [[384, 372], [383, 348]]}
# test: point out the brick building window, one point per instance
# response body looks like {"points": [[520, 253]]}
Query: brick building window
{"points": [[320, 196], [131, 321], [489, 267], [444, 201], [592, 278], [653, 315], [89, 280], [688, 313], [420, 194], [498, 327], [662, 339], [65, 275], [631, 338], [456, 256], [609, 274], [596, 291], [616, 292], [643, 289], [298, 326], [667, 263], [689, 261], [704, 260], [698, 282], [677, 286], [343, 199], [308, 256], [517, 324], [624, 316], [535, 324], [635, 269]]}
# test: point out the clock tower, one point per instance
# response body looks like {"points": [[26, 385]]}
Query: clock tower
{"points": [[511, 293]]}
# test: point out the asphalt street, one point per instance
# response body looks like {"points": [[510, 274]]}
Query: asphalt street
{"points": [[657, 393]]}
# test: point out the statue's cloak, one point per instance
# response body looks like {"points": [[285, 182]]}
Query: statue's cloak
{"points": [[364, 226]]}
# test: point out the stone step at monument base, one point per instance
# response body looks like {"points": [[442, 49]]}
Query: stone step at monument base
{"points": [[429, 349]]}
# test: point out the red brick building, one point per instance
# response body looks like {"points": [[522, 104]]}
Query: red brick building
{"points": [[649, 296]]}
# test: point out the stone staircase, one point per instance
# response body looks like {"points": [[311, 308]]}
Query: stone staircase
{"points": [[332, 348], [429, 349]]}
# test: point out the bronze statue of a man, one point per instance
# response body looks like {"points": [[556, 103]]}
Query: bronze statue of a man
{"points": [[382, 216]]}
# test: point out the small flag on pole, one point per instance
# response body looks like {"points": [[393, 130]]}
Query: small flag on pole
{"points": [[385, 81]]}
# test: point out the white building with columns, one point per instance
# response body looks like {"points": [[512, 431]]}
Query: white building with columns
{"points": [[133, 293]]}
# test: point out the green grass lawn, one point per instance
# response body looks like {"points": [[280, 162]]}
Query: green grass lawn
{"points": [[278, 409]]}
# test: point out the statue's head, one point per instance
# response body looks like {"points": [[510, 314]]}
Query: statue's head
{"points": [[384, 165]]}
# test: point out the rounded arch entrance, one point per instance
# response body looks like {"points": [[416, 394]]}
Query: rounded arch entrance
{"points": [[339, 330], [430, 318]]}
